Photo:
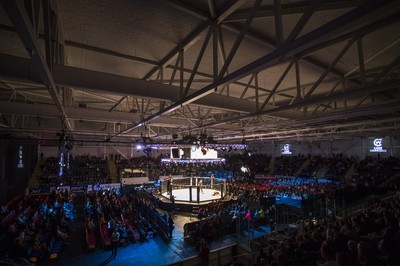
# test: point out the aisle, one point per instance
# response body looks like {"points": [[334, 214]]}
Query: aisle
{"points": [[155, 252], [77, 244]]}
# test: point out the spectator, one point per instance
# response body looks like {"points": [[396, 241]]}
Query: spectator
{"points": [[114, 243], [366, 255], [170, 226], [204, 253], [343, 259]]}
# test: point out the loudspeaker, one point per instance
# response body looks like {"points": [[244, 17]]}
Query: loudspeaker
{"points": [[175, 153]]}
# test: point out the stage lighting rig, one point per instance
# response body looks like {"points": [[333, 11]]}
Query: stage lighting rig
{"points": [[147, 151]]}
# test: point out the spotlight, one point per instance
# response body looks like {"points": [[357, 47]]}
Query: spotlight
{"points": [[139, 147]]}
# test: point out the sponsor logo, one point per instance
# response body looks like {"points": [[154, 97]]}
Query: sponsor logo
{"points": [[286, 149], [377, 146]]}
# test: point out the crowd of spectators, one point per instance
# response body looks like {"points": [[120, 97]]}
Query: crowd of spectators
{"points": [[85, 170], [371, 237], [288, 165], [295, 188], [107, 210], [80, 170], [37, 227], [372, 171], [334, 167], [142, 163]]}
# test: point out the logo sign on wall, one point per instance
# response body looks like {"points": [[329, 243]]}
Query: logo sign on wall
{"points": [[377, 145], [286, 149]]}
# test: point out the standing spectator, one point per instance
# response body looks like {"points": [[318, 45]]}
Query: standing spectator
{"points": [[111, 226], [261, 256], [170, 226], [204, 253], [169, 183], [200, 184], [114, 243]]}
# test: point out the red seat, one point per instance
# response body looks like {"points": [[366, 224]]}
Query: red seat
{"points": [[90, 239]]}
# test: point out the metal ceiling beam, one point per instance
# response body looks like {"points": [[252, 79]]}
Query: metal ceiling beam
{"points": [[85, 114], [331, 65], [346, 128], [340, 95], [229, 9], [347, 115], [185, 43], [293, 8], [372, 10], [278, 23], [238, 41], [198, 61], [22, 69], [20, 19], [145, 61], [109, 52], [303, 20], [256, 35]]}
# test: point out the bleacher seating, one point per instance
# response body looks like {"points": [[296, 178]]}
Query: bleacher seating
{"points": [[82, 170], [29, 229]]}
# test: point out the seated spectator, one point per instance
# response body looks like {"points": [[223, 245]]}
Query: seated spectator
{"points": [[90, 224], [328, 253], [366, 255], [343, 259], [62, 235]]}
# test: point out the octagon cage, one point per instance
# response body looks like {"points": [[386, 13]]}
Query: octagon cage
{"points": [[193, 189]]}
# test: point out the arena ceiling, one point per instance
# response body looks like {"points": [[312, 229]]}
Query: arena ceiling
{"points": [[117, 70]]}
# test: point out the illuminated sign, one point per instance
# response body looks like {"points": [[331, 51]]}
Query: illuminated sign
{"points": [[286, 149], [377, 146], [20, 157], [203, 153]]}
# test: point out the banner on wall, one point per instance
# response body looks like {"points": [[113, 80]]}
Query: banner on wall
{"points": [[378, 145], [103, 186], [37, 191], [77, 188]]}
